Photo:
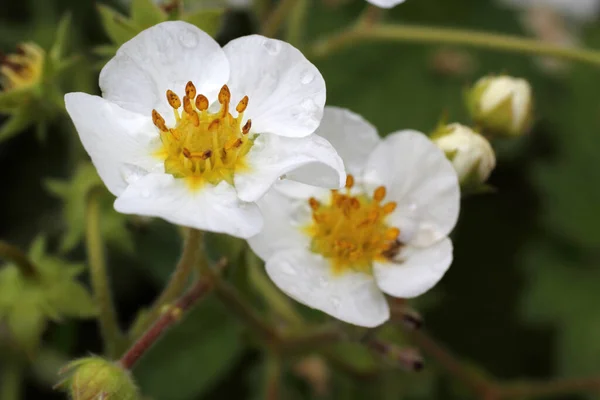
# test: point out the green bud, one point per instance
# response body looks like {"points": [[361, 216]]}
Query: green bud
{"points": [[470, 153], [98, 379], [501, 105]]}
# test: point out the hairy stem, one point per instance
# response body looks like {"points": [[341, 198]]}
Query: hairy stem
{"points": [[14, 254], [165, 321], [178, 283], [111, 333], [426, 34]]}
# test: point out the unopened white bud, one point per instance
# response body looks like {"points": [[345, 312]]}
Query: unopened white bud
{"points": [[501, 105], [470, 153]]}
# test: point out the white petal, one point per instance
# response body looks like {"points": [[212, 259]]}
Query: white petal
{"points": [[165, 56], [350, 297], [386, 3], [351, 135], [286, 92], [417, 270], [210, 208], [114, 138], [422, 181], [284, 220], [272, 156]]}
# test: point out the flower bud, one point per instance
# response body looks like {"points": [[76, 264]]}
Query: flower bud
{"points": [[501, 105], [470, 153], [96, 378]]}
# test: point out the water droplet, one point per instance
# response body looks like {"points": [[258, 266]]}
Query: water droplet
{"points": [[307, 78], [288, 269], [188, 38], [273, 47], [132, 173], [335, 301]]}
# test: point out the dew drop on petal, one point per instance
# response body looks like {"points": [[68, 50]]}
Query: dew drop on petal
{"points": [[273, 47], [288, 269], [307, 78], [132, 173], [188, 38]]}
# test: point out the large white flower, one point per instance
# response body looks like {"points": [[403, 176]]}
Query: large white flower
{"points": [[195, 133], [386, 3], [386, 232]]}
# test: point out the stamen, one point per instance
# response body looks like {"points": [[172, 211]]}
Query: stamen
{"points": [[224, 95], [206, 154], [159, 121], [379, 193], [349, 181], [392, 233], [190, 90], [214, 125], [173, 99], [233, 144], [187, 105], [314, 203], [201, 102], [246, 127], [389, 208], [241, 107], [187, 153]]}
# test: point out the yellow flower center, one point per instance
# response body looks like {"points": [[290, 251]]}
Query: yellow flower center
{"points": [[22, 69], [204, 146], [351, 231]]}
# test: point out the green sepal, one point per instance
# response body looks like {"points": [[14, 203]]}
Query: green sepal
{"points": [[19, 120], [58, 50], [119, 28], [146, 13], [209, 20]]}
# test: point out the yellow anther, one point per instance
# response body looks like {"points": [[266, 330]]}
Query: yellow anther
{"points": [[206, 154], [187, 105], [173, 99], [201, 102], [379, 193], [392, 233], [354, 203], [159, 121], [349, 181], [314, 203], [224, 95], [246, 127], [232, 144], [241, 107], [214, 125], [187, 153], [389, 208], [190, 90]]}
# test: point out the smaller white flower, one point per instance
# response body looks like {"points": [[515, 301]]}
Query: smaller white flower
{"points": [[386, 3], [195, 133], [471, 154], [386, 232], [501, 105]]}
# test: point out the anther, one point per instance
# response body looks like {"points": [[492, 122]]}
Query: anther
{"points": [[349, 181], [389, 208], [314, 203], [241, 107], [233, 144], [173, 99], [201, 102], [379, 193], [246, 127], [206, 154], [392, 233], [354, 203], [224, 95], [187, 153], [159, 121], [214, 125], [190, 90], [187, 105]]}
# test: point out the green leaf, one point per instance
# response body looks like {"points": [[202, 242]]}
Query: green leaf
{"points": [[118, 27], [27, 323], [209, 20], [192, 356], [58, 50], [20, 120], [72, 299], [146, 13]]}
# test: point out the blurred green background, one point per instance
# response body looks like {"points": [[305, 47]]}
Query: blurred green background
{"points": [[521, 299]]}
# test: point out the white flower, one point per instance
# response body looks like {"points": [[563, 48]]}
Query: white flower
{"points": [[501, 105], [578, 9], [340, 251], [386, 3], [166, 147], [471, 154]]}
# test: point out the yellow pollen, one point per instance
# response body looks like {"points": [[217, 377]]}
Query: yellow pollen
{"points": [[203, 147], [22, 69], [351, 231]]}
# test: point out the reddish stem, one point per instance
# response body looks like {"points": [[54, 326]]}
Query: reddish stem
{"points": [[168, 318]]}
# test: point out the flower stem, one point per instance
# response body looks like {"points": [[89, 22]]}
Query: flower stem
{"points": [[109, 327], [273, 377], [11, 377], [14, 254], [297, 22], [426, 34], [165, 321], [177, 284], [276, 17]]}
